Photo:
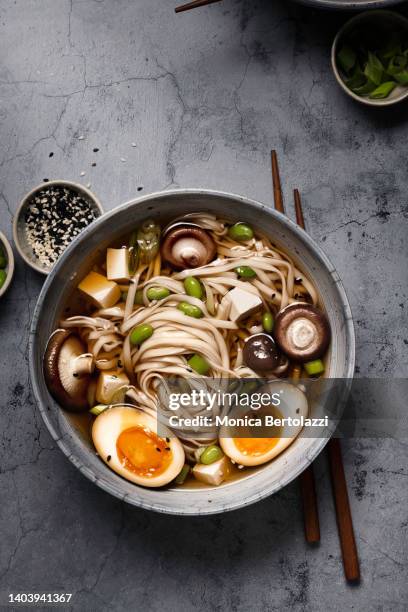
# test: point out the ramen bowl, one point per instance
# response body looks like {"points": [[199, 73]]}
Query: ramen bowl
{"points": [[79, 258]]}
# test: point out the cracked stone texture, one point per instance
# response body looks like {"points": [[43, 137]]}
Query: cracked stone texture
{"points": [[204, 96]]}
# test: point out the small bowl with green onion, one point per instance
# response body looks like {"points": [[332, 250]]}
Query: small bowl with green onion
{"points": [[370, 58], [6, 264]]}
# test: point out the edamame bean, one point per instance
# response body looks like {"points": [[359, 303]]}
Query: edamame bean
{"points": [[98, 409], [267, 322], [245, 272], [199, 364], [185, 470], [3, 277], [249, 387], [157, 293], [314, 368], [141, 333], [190, 310], [211, 454], [193, 287], [241, 232]]}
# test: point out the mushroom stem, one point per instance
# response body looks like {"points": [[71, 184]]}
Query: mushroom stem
{"points": [[84, 365]]}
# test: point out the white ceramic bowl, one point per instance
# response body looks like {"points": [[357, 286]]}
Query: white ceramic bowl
{"points": [[19, 234], [76, 262], [10, 263], [387, 19]]}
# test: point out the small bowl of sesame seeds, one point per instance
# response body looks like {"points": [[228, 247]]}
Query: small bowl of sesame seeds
{"points": [[49, 218]]}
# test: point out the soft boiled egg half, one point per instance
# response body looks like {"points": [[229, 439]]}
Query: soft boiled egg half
{"points": [[251, 451], [126, 440]]}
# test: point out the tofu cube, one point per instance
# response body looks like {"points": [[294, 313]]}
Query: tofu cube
{"points": [[213, 474], [117, 265], [100, 290], [242, 304], [109, 382]]}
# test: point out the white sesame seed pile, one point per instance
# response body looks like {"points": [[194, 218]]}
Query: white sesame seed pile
{"points": [[54, 216]]}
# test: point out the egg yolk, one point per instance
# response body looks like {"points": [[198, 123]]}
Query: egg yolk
{"points": [[142, 452], [255, 447]]}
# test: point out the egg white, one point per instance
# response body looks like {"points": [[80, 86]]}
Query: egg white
{"points": [[293, 404], [108, 426]]}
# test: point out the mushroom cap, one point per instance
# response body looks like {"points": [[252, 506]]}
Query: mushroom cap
{"points": [[302, 332], [188, 246], [263, 356], [67, 370]]}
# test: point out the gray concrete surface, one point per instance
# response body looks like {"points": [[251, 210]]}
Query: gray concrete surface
{"points": [[204, 96]]}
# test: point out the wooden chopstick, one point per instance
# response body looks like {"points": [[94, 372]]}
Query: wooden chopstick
{"points": [[338, 479], [308, 491], [277, 190], [343, 513], [194, 4], [307, 479], [310, 509], [298, 209]]}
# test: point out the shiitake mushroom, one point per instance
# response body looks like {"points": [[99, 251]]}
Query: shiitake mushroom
{"points": [[261, 355], [302, 332], [186, 245], [67, 370]]}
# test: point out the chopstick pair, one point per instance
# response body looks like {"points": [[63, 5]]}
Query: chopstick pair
{"points": [[338, 479], [277, 193], [194, 4]]}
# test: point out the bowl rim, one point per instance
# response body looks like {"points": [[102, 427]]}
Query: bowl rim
{"points": [[335, 5], [106, 485], [23, 203], [380, 103], [10, 263]]}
